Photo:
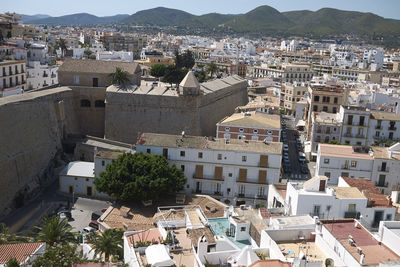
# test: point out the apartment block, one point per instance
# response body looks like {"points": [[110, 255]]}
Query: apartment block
{"points": [[256, 126], [119, 42], [325, 127], [355, 123], [285, 73], [291, 94], [233, 170]]}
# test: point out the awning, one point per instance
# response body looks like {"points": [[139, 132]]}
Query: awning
{"points": [[301, 123], [158, 255]]}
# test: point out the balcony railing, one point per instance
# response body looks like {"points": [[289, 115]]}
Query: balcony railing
{"points": [[208, 178], [381, 169], [247, 181], [392, 128], [386, 184], [360, 136], [347, 134], [352, 214], [256, 196]]}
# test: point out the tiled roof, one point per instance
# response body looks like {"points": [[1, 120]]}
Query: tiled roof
{"points": [[19, 251], [376, 198], [253, 119], [97, 66], [199, 142]]}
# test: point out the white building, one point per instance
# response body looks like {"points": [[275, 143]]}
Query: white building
{"points": [[351, 198], [39, 76], [325, 127], [235, 170], [389, 234], [115, 55], [374, 56], [355, 122], [78, 176]]}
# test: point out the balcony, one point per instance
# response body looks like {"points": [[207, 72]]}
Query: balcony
{"points": [[360, 136], [352, 215], [392, 128], [208, 178], [45, 75], [347, 134], [255, 181], [381, 169], [257, 196], [380, 184], [345, 167]]}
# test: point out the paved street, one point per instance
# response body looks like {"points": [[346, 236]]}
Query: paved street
{"points": [[82, 211], [295, 169]]}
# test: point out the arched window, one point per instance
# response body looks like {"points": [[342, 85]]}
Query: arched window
{"points": [[85, 103], [99, 104]]}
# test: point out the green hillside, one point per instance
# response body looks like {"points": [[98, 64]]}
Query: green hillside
{"points": [[159, 16], [210, 20]]}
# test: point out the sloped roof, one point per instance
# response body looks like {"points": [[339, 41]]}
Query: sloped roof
{"points": [[314, 179], [196, 233], [19, 251], [253, 119], [190, 81], [97, 66]]}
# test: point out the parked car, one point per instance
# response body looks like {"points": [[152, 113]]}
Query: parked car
{"points": [[104, 210], [94, 224], [302, 157], [285, 147], [96, 215], [286, 156], [88, 229], [67, 213]]}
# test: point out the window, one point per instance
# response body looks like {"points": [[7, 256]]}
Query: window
{"points": [[99, 104], [315, 108], [76, 178], [353, 163], [200, 155], [242, 229], [350, 120], [183, 168], [227, 129], [261, 191], [70, 189], [334, 110], [347, 142], [327, 174], [148, 151], [255, 131], [219, 156], [362, 119], [377, 133], [352, 208], [85, 103], [316, 98], [244, 158], [326, 161], [241, 130], [388, 217], [358, 143], [182, 153], [76, 79], [325, 108], [317, 209], [102, 163]]}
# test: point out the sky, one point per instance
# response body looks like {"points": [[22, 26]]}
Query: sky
{"points": [[384, 8]]}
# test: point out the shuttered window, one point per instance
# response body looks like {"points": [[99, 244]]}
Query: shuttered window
{"points": [[242, 175], [199, 171], [264, 161], [218, 173], [262, 177]]}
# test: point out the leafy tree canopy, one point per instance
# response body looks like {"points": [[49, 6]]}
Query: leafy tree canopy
{"points": [[185, 60], [158, 70], [119, 77], [174, 74], [109, 243], [60, 255], [12, 263], [55, 230], [140, 177]]}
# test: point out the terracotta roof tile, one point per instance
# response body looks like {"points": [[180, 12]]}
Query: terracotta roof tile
{"points": [[19, 251]]}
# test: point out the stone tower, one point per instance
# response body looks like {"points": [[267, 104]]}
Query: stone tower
{"points": [[189, 85]]}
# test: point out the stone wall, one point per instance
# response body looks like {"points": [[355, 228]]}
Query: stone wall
{"points": [[32, 126], [128, 115]]}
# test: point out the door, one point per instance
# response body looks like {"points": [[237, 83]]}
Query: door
{"points": [[165, 152], [89, 190], [198, 187], [95, 82], [377, 218]]}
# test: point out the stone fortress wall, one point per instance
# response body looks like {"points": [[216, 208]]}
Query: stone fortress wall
{"points": [[32, 126]]}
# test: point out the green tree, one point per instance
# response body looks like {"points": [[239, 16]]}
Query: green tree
{"points": [[119, 77], [188, 59], [62, 44], [60, 256], [212, 68], [88, 52], [174, 74], [12, 263], [7, 238], [109, 243], [55, 231], [140, 177], [201, 76], [158, 70]]}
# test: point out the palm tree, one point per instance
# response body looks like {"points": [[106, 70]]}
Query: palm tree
{"points": [[109, 243], [212, 68], [55, 230], [7, 238], [119, 77], [61, 43]]}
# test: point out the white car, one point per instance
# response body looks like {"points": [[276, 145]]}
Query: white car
{"points": [[285, 147], [88, 229]]}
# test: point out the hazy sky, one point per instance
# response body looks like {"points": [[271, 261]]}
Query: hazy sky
{"points": [[384, 8]]}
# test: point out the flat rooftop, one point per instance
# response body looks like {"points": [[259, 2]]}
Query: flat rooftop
{"points": [[199, 142], [310, 250], [288, 221], [386, 116], [342, 151], [327, 118], [79, 168], [375, 252], [347, 192]]}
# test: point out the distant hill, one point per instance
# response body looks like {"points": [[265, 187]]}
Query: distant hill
{"points": [[159, 16], [80, 19], [261, 19], [333, 21], [31, 18]]}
